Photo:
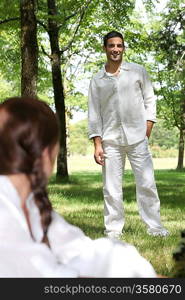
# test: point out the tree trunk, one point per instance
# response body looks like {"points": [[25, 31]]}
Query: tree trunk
{"points": [[53, 29], [29, 48], [181, 150]]}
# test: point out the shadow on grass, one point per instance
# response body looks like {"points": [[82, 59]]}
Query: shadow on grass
{"points": [[76, 178], [80, 201], [86, 187], [89, 228]]}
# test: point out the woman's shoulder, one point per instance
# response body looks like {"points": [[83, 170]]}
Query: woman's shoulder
{"points": [[60, 225]]}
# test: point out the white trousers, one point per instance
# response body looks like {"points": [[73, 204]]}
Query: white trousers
{"points": [[146, 191]]}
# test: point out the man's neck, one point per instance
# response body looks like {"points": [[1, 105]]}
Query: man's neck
{"points": [[112, 67]]}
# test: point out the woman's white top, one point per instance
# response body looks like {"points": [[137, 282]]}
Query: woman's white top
{"points": [[72, 254]]}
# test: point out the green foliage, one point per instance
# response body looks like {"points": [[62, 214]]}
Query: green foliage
{"points": [[163, 136], [6, 89], [78, 138], [77, 101], [168, 41], [10, 56], [163, 141], [159, 152], [81, 23], [9, 43]]}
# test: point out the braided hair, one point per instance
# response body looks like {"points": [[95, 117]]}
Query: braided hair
{"points": [[27, 127]]}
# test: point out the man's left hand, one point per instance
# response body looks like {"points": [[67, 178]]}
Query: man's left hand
{"points": [[149, 128]]}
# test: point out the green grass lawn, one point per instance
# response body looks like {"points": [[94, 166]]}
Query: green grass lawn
{"points": [[81, 203]]}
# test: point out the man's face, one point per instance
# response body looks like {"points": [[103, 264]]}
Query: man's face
{"points": [[114, 49]]}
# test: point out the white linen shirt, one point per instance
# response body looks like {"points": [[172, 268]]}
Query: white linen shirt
{"points": [[72, 254], [119, 106]]}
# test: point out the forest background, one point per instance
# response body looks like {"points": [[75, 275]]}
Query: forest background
{"points": [[51, 49]]}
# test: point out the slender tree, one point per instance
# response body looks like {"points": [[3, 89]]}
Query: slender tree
{"points": [[54, 28], [29, 48], [55, 57]]}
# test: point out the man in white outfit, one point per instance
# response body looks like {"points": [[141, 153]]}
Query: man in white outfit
{"points": [[121, 114]]}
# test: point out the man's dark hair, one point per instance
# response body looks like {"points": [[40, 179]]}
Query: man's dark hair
{"points": [[110, 35]]}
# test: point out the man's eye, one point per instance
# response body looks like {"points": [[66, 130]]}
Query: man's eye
{"points": [[118, 46]]}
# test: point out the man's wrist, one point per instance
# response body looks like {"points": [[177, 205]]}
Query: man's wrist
{"points": [[97, 141]]}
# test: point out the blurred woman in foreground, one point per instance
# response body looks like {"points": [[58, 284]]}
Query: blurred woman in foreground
{"points": [[35, 241]]}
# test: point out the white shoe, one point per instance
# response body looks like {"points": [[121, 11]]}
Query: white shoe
{"points": [[114, 235], [162, 233]]}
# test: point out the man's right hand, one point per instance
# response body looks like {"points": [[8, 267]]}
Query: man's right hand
{"points": [[99, 156], [98, 151]]}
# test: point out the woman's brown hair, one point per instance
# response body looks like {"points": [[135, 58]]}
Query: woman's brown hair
{"points": [[27, 127]]}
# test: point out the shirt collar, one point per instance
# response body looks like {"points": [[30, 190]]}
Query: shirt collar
{"points": [[124, 66], [8, 189], [9, 195]]}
